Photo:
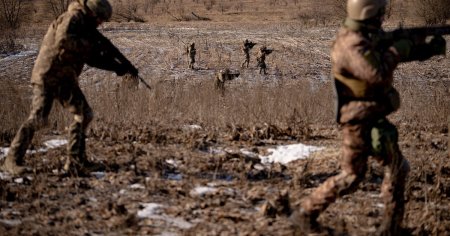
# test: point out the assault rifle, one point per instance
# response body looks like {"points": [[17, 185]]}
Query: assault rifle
{"points": [[268, 51], [388, 38], [251, 44], [107, 55]]}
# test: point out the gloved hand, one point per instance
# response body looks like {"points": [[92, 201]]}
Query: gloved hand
{"points": [[403, 48], [438, 45]]}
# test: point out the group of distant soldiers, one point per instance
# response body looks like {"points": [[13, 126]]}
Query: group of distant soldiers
{"points": [[226, 74], [362, 72], [246, 47]]}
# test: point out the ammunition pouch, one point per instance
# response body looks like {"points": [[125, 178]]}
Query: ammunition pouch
{"points": [[351, 89]]}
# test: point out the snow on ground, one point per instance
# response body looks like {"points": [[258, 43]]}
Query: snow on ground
{"points": [[50, 144], [154, 211], [17, 56], [202, 191], [288, 153]]}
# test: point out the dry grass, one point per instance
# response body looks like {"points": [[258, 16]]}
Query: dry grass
{"points": [[296, 94]]}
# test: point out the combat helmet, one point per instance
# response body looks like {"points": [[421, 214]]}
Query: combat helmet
{"points": [[101, 8], [365, 9]]}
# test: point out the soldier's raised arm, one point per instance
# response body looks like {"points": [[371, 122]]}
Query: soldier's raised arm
{"points": [[106, 56]]}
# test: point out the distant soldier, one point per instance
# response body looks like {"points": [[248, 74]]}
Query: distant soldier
{"points": [[222, 76], [191, 53], [72, 40], [246, 47], [363, 75], [261, 59]]}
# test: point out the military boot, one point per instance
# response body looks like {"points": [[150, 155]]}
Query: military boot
{"points": [[81, 166], [9, 165], [304, 223]]}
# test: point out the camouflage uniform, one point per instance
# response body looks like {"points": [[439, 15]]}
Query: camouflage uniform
{"points": [[363, 77], [70, 42], [261, 59], [191, 53], [246, 47], [222, 76]]}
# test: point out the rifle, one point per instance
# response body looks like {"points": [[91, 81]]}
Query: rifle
{"points": [[388, 38], [251, 45], [110, 53]]}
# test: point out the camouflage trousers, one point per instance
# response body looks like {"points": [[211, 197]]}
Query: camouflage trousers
{"points": [[72, 98], [191, 62], [262, 67], [246, 61], [360, 141]]}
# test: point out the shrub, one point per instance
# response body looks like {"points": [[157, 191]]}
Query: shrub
{"points": [[432, 11]]}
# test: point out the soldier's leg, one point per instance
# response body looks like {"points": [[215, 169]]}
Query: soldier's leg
{"points": [[72, 97], [385, 144], [40, 109], [355, 151], [247, 59]]}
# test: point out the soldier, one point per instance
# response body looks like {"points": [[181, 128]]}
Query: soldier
{"points": [[191, 53], [363, 75], [222, 76], [261, 59], [71, 41], [246, 47]]}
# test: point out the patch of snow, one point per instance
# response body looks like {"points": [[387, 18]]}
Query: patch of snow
{"points": [[202, 191], [50, 144], [4, 176], [216, 151], [137, 186], [192, 127], [18, 180], [153, 211], [18, 55], [54, 143], [10, 223], [288, 153], [174, 177], [3, 152], [173, 162], [249, 153], [98, 174], [149, 210]]}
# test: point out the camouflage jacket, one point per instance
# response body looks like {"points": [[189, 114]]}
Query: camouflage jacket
{"points": [[363, 76], [191, 51], [69, 43]]}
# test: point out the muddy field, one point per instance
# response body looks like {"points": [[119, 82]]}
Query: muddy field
{"points": [[180, 165]]}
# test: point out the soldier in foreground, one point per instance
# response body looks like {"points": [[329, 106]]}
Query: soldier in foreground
{"points": [[191, 53], [71, 41], [261, 59], [363, 76], [246, 47], [222, 76]]}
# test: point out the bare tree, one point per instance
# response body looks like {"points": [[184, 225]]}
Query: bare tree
{"points": [[127, 10], [57, 7], [150, 4], [11, 12]]}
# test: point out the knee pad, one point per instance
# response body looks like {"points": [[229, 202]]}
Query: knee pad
{"points": [[384, 137]]}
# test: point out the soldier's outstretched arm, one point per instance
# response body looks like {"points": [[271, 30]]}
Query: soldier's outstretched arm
{"points": [[106, 56]]}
